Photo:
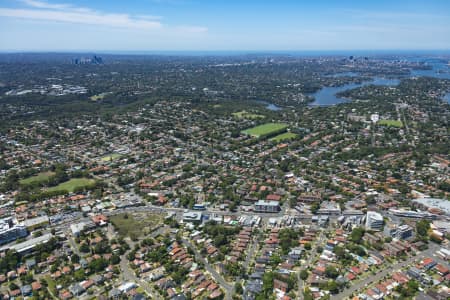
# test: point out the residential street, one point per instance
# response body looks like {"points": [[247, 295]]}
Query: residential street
{"points": [[217, 277], [356, 286]]}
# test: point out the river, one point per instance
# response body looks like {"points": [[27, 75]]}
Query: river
{"points": [[447, 98], [327, 95], [270, 106]]}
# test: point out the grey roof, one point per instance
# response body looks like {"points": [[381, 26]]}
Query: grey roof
{"points": [[441, 204], [29, 244]]}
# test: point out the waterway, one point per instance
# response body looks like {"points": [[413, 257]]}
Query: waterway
{"points": [[447, 98], [327, 95], [440, 68], [270, 106]]}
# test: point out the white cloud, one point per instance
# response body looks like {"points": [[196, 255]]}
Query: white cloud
{"points": [[67, 13], [88, 17], [41, 4]]}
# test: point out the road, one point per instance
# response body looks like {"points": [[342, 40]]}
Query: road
{"points": [[128, 273], [217, 277], [312, 256], [229, 288], [73, 245], [251, 252], [389, 269]]}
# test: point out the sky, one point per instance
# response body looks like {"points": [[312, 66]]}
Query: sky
{"points": [[223, 25]]}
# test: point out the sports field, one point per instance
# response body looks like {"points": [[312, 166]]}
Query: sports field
{"points": [[72, 184], [110, 157], [284, 136], [267, 129], [393, 123], [39, 178]]}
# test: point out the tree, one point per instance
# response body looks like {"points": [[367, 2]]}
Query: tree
{"points": [[84, 248], [422, 227], [304, 274], [238, 288], [78, 275], [315, 207], [268, 283], [288, 238], [339, 251], [333, 287], [13, 286], [115, 259], [98, 264], [357, 235], [331, 272], [307, 294], [27, 278], [75, 258]]}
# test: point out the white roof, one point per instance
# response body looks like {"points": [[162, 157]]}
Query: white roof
{"points": [[441, 204], [267, 202], [35, 221], [29, 244]]}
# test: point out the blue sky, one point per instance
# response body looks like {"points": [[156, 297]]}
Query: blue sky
{"points": [[198, 25]]}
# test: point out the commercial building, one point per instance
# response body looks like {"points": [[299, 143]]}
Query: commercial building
{"points": [[29, 244], [34, 223], [412, 214], [433, 205], [267, 206], [374, 221], [402, 232], [192, 217], [10, 232], [329, 208]]}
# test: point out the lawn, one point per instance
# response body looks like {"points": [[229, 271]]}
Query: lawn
{"points": [[247, 115], [265, 130], [136, 224], [393, 123], [284, 136], [72, 184], [39, 178], [51, 284], [99, 96], [112, 156]]}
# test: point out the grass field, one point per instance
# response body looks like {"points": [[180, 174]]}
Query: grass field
{"points": [[266, 129], [284, 136], [110, 157], [51, 284], [72, 184], [136, 224], [393, 123], [99, 96], [247, 115], [39, 178]]}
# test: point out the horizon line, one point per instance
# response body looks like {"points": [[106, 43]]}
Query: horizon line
{"points": [[222, 52]]}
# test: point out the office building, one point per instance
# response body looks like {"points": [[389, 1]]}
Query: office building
{"points": [[374, 221], [267, 206], [10, 232]]}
